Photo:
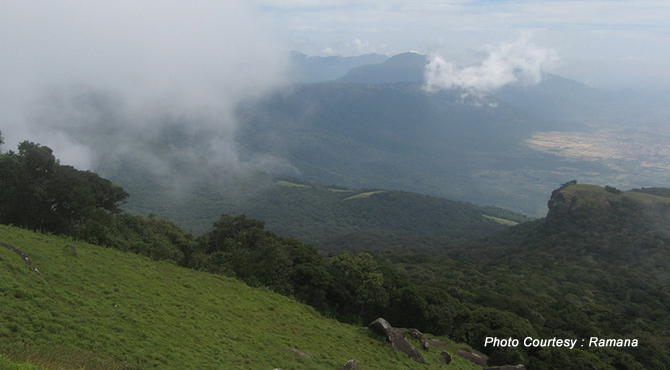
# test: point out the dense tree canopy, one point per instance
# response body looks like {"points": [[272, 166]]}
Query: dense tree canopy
{"points": [[37, 192]]}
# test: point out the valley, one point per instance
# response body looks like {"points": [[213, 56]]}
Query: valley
{"points": [[638, 146], [633, 156]]}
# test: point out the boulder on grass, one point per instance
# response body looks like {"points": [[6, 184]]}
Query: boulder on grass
{"points": [[350, 365], [446, 356], [398, 341]]}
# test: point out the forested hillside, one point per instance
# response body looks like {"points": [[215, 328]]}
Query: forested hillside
{"points": [[399, 136], [596, 268], [330, 217]]}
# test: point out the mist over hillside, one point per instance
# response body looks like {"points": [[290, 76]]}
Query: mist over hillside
{"points": [[382, 128], [374, 122]]}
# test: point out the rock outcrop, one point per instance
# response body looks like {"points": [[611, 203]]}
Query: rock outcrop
{"points": [[23, 256], [436, 343], [398, 341], [416, 334]]}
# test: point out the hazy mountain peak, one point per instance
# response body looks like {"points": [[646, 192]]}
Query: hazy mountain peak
{"points": [[404, 67], [306, 69]]}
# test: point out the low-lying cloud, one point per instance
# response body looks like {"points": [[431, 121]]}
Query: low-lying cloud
{"points": [[94, 79], [509, 63]]}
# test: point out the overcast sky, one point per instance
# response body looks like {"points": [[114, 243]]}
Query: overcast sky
{"points": [[603, 43]]}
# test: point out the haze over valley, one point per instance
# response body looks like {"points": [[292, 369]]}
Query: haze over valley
{"points": [[492, 125]]}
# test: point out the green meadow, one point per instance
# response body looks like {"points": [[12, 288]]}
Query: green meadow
{"points": [[107, 309], [501, 221]]}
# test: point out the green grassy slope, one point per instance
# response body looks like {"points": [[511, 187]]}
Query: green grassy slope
{"points": [[122, 310], [7, 364]]}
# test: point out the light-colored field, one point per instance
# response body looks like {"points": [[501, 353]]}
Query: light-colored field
{"points": [[648, 148], [501, 220], [292, 184], [341, 190], [365, 195]]}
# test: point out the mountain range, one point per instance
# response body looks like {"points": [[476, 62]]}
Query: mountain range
{"points": [[368, 122], [377, 126]]}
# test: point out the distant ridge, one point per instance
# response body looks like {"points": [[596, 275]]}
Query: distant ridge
{"points": [[559, 98], [306, 69], [405, 67]]}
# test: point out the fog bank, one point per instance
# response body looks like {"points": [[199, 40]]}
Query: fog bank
{"points": [[104, 78]]}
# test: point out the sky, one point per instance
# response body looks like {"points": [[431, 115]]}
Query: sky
{"points": [[195, 60], [610, 44]]}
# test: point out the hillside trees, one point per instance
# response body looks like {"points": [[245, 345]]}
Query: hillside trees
{"points": [[366, 281], [241, 247], [38, 193], [151, 236]]}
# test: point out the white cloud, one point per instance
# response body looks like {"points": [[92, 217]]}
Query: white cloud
{"points": [[361, 45], [190, 60], [583, 32], [508, 63]]}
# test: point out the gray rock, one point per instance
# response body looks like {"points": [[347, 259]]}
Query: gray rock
{"points": [[416, 334], [350, 365], [72, 249], [446, 356], [380, 327], [436, 343], [398, 341]]}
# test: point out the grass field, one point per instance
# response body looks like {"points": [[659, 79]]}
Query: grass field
{"points": [[7, 364], [293, 184], [365, 195], [501, 220], [106, 309]]}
